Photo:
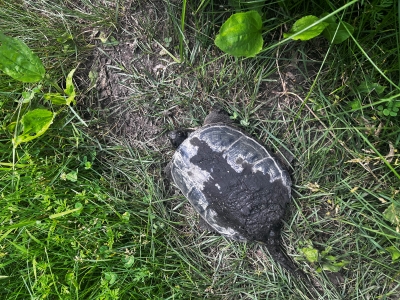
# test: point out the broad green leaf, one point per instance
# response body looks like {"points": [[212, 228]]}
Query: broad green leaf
{"points": [[394, 252], [11, 127], [71, 279], [325, 252], [70, 88], [111, 277], [329, 257], [302, 24], [241, 35], [27, 96], [65, 37], [330, 20], [337, 34], [56, 98], [367, 87], [392, 214], [129, 261], [69, 97], [72, 176], [79, 208], [355, 104], [334, 266], [34, 124], [311, 254], [18, 61]]}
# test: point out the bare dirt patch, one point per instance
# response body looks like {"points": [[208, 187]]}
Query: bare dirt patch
{"points": [[141, 92], [128, 73]]}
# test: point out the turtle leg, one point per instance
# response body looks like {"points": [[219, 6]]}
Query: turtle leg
{"points": [[217, 115], [285, 157], [167, 171]]}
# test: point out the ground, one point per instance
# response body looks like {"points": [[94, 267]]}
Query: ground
{"points": [[125, 64], [85, 209], [131, 74]]}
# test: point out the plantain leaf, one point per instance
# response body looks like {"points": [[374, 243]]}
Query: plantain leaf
{"points": [[392, 214], [56, 98], [69, 97], [240, 35], [70, 88], [394, 252], [302, 24], [334, 266], [35, 123], [18, 61], [337, 34]]}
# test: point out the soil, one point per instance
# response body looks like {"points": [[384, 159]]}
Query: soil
{"points": [[132, 107], [119, 58], [125, 119], [110, 74]]}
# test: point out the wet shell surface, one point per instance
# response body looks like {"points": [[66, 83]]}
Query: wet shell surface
{"points": [[233, 182]]}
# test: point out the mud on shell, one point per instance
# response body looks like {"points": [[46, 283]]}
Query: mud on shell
{"points": [[233, 182]]}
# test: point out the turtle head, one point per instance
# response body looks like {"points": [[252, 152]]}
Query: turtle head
{"points": [[176, 137]]}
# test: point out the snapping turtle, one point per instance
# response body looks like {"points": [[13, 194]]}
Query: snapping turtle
{"points": [[233, 182]]}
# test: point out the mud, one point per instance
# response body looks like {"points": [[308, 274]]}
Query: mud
{"points": [[122, 76], [136, 86]]}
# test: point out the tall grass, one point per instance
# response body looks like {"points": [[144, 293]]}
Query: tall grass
{"points": [[136, 237]]}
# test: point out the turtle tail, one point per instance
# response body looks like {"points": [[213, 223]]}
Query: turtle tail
{"points": [[280, 256]]}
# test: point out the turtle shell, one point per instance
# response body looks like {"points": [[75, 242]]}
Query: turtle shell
{"points": [[233, 182]]}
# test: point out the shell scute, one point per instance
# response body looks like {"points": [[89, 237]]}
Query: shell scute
{"points": [[236, 185], [232, 181], [219, 137]]}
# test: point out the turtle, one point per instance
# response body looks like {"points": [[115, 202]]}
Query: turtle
{"points": [[238, 187]]}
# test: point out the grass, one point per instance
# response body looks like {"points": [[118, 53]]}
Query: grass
{"points": [[136, 236]]}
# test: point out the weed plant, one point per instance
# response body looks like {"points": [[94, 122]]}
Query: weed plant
{"points": [[83, 217]]}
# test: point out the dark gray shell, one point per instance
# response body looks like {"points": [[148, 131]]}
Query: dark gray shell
{"points": [[233, 182]]}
